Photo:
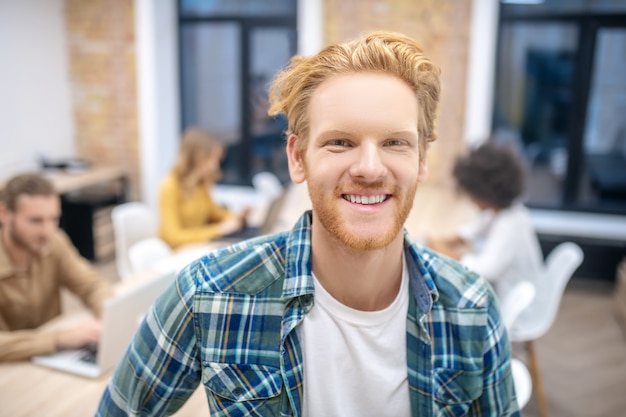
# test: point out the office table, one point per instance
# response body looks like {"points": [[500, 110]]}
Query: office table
{"points": [[67, 182], [28, 390]]}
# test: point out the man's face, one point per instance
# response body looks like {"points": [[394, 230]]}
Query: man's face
{"points": [[362, 162], [33, 222]]}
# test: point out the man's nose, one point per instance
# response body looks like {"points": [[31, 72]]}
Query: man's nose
{"points": [[369, 164]]}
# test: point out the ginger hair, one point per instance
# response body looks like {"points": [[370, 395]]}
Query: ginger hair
{"points": [[378, 52]]}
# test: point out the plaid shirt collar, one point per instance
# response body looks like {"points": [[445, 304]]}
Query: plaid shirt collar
{"points": [[299, 275]]}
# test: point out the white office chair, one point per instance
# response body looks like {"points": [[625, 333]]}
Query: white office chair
{"points": [[515, 301], [145, 253], [132, 222], [267, 185], [539, 316], [523, 382]]}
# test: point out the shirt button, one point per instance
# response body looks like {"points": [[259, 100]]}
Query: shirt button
{"points": [[237, 392]]}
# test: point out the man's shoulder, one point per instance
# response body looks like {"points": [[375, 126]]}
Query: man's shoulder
{"points": [[248, 267], [59, 244], [456, 285]]}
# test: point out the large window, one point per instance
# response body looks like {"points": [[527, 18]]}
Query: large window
{"points": [[230, 50], [560, 96]]}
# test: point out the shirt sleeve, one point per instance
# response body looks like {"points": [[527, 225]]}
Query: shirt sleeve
{"points": [[498, 398], [218, 212], [161, 368], [472, 230], [497, 252], [20, 345], [80, 277], [172, 231]]}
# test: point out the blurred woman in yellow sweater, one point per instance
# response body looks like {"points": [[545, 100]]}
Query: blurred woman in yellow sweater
{"points": [[188, 213]]}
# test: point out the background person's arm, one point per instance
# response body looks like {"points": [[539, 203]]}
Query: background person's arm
{"points": [[77, 275], [497, 252], [18, 345], [453, 246]]}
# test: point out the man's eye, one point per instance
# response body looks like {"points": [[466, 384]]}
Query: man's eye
{"points": [[394, 142], [338, 142]]}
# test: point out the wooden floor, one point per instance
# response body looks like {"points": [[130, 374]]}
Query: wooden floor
{"points": [[583, 356]]}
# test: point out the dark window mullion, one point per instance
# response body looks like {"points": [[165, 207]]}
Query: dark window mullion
{"points": [[578, 118], [244, 149], [246, 143]]}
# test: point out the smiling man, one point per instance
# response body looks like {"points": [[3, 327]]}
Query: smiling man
{"points": [[343, 315], [36, 261]]}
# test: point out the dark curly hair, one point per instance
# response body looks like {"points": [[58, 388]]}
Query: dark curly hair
{"points": [[491, 173]]}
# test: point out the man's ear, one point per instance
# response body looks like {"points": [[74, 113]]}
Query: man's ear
{"points": [[4, 212], [423, 169], [295, 159]]}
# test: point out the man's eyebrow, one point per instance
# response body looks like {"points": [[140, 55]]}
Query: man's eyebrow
{"points": [[402, 132], [334, 132], [399, 132]]}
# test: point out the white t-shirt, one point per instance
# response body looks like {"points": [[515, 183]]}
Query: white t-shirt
{"points": [[506, 248], [355, 361]]}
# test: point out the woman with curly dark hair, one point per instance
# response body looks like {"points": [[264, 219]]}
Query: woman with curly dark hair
{"points": [[501, 245]]}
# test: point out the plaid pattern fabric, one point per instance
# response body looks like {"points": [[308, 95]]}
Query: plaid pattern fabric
{"points": [[229, 323]]}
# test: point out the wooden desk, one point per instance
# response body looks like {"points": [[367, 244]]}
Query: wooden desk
{"points": [[66, 182], [28, 390]]}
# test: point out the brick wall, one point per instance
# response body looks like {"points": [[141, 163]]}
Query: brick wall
{"points": [[101, 42], [442, 28]]}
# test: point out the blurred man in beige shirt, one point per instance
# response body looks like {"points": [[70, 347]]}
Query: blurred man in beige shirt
{"points": [[36, 260]]}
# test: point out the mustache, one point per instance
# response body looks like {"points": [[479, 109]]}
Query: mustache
{"points": [[362, 186]]}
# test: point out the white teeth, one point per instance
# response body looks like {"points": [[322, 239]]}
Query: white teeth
{"points": [[373, 199]]}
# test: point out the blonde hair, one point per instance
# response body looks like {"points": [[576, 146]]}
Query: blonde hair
{"points": [[195, 146], [385, 52]]}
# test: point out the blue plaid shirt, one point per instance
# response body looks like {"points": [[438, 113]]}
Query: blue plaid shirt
{"points": [[229, 323]]}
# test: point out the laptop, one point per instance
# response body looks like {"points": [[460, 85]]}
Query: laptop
{"points": [[121, 317], [268, 225]]}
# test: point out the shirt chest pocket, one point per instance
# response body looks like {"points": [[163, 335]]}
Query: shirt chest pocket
{"points": [[455, 390], [240, 388]]}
